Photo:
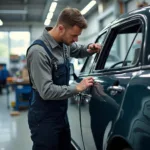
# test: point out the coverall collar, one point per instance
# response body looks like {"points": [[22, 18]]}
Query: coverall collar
{"points": [[49, 38]]}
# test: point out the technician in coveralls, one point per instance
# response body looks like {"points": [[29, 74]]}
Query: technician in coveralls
{"points": [[48, 66]]}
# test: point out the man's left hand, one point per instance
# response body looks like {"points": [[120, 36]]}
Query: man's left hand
{"points": [[94, 48]]}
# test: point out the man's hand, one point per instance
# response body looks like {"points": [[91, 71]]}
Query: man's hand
{"points": [[84, 84], [94, 48]]}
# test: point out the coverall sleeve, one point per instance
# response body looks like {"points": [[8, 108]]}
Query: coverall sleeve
{"points": [[41, 76], [79, 51]]}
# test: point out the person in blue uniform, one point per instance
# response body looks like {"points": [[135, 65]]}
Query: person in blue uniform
{"points": [[4, 74], [48, 66]]}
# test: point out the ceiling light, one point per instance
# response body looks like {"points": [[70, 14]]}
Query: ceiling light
{"points": [[53, 6], [1, 22], [100, 8], [50, 15], [88, 7], [47, 22]]}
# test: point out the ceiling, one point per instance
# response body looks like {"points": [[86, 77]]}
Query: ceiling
{"points": [[29, 12]]}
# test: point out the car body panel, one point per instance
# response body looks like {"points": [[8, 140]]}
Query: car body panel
{"points": [[134, 125], [118, 116], [73, 116], [103, 108]]}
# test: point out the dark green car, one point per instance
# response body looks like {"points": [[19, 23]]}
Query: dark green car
{"points": [[117, 117]]}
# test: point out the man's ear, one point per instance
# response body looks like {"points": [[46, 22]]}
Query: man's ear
{"points": [[61, 28]]}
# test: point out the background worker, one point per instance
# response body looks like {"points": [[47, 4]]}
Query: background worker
{"points": [[48, 65], [4, 74]]}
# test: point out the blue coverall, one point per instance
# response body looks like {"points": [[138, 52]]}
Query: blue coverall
{"points": [[48, 120]]}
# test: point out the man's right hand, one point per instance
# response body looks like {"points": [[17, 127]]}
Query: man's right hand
{"points": [[84, 84]]}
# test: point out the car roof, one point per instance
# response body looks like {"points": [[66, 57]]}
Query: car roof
{"points": [[142, 11]]}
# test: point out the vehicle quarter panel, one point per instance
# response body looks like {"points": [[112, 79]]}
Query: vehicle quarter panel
{"points": [[134, 125]]}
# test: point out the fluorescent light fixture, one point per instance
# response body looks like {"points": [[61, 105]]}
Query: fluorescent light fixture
{"points": [[88, 7], [1, 22], [47, 22], [100, 8], [50, 15], [53, 6]]}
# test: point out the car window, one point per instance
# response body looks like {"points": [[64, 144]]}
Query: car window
{"points": [[134, 52], [126, 46], [90, 60]]}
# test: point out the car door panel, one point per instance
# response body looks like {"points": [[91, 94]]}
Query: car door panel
{"points": [[73, 116], [102, 108]]}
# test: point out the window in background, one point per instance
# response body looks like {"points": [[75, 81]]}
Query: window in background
{"points": [[4, 53], [19, 42]]}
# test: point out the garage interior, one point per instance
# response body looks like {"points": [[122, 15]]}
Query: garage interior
{"points": [[22, 22]]}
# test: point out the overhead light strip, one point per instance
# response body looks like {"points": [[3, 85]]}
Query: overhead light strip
{"points": [[1, 22], [50, 13], [53, 6], [88, 7], [47, 22]]}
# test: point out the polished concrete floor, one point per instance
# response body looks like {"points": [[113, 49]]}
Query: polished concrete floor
{"points": [[14, 132]]}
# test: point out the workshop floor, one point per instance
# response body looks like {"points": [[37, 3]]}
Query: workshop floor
{"points": [[14, 131]]}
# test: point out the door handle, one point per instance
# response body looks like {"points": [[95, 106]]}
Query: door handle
{"points": [[116, 88], [83, 97], [87, 97]]}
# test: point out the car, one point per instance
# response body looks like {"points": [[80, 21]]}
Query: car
{"points": [[116, 113]]}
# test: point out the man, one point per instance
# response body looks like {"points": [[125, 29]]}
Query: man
{"points": [[4, 74], [48, 65]]}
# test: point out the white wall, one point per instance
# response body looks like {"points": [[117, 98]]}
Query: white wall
{"points": [[131, 5], [97, 22], [89, 35], [36, 31]]}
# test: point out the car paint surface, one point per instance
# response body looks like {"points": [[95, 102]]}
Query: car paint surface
{"points": [[115, 120]]}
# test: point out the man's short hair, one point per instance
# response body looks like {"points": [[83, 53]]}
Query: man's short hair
{"points": [[70, 17]]}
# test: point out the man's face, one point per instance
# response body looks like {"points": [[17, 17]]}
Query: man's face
{"points": [[70, 35]]}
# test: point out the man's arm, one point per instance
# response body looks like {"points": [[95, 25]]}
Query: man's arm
{"points": [[81, 51], [41, 76]]}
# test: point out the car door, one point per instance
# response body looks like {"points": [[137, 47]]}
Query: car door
{"points": [[118, 62], [74, 108]]}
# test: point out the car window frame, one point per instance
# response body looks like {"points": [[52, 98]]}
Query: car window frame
{"points": [[104, 54], [105, 30]]}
